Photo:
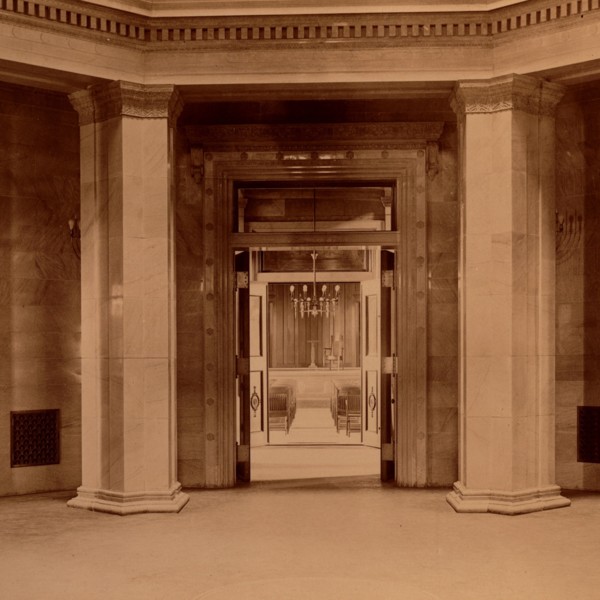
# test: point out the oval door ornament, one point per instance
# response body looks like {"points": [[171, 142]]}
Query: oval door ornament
{"points": [[372, 401], [254, 401]]}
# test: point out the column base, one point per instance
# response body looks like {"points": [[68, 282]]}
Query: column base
{"points": [[464, 500], [130, 503]]}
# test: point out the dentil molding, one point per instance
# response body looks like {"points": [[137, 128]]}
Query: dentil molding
{"points": [[125, 27]]}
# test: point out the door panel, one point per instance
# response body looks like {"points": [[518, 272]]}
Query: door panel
{"points": [[378, 380], [258, 363], [371, 358]]}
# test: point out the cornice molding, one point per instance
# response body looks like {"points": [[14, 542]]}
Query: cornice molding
{"points": [[121, 98], [311, 136], [511, 92], [193, 8], [112, 26]]}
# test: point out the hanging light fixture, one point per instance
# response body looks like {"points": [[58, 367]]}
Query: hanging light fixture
{"points": [[314, 306]]}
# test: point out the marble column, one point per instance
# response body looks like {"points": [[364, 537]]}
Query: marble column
{"points": [[506, 406], [128, 299]]}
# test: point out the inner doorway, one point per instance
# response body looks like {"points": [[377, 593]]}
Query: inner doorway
{"points": [[317, 397], [316, 327]]}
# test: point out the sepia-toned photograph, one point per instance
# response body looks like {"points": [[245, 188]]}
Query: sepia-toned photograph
{"points": [[299, 300]]}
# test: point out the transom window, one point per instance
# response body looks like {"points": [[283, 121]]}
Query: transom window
{"points": [[292, 209]]}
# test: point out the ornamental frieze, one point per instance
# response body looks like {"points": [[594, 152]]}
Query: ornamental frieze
{"points": [[375, 135]]}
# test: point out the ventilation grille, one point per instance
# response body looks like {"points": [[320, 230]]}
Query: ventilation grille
{"points": [[588, 434], [35, 438]]}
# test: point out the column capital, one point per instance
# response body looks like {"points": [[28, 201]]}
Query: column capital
{"points": [[509, 92], [125, 99]]}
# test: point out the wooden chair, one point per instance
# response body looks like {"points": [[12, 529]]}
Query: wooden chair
{"points": [[334, 354], [340, 412], [279, 412], [289, 389], [353, 413], [347, 409]]}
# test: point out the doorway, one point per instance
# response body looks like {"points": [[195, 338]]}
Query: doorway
{"points": [[314, 423], [316, 396], [227, 176]]}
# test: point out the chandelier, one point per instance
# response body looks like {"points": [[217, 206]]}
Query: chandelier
{"points": [[313, 305]]}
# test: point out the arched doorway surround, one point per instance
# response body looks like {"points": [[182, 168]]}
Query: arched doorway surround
{"points": [[402, 154]]}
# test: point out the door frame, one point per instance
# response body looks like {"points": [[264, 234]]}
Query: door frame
{"points": [[402, 164]]}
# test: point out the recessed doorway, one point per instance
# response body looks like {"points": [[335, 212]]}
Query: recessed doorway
{"points": [[229, 180], [314, 396]]}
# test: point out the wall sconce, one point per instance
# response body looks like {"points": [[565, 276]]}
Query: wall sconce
{"points": [[75, 234]]}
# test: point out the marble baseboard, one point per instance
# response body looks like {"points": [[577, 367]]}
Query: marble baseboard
{"points": [[129, 503], [466, 500]]}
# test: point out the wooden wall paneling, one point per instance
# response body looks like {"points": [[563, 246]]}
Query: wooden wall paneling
{"points": [[290, 337]]}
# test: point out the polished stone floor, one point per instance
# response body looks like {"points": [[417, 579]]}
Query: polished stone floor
{"points": [[291, 463], [299, 537]]}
